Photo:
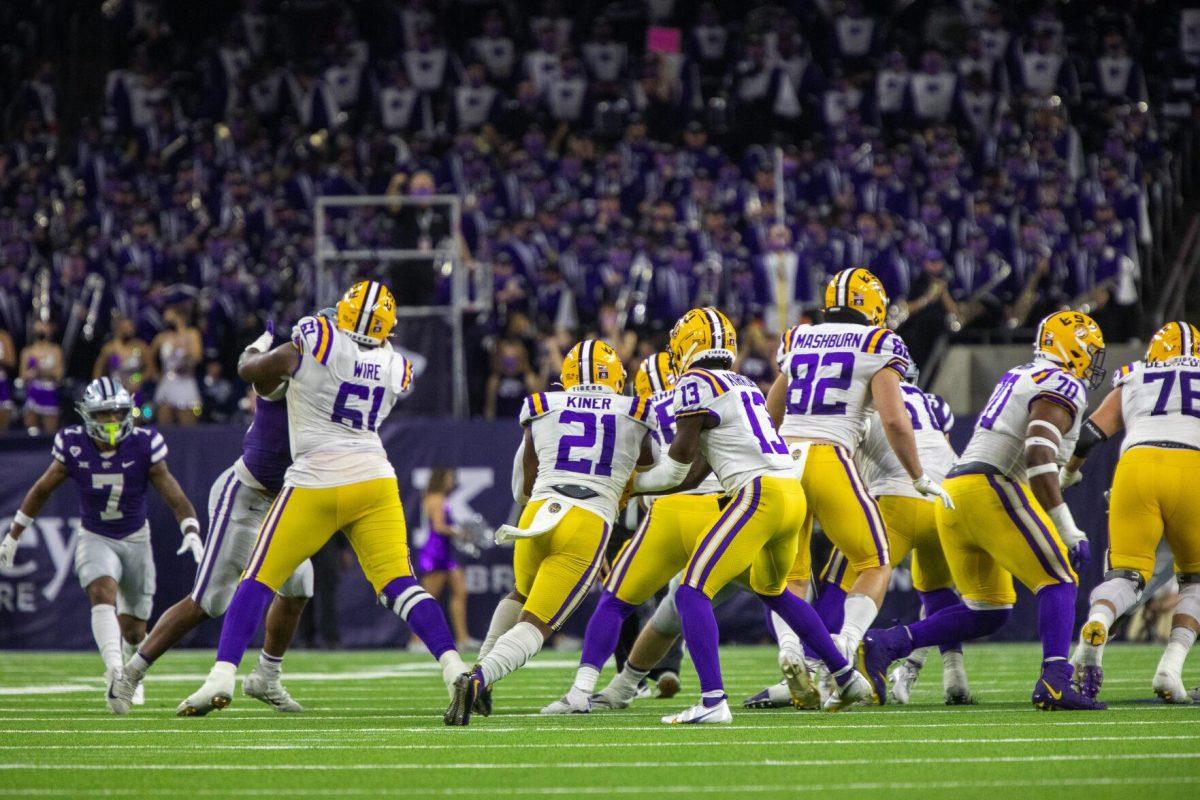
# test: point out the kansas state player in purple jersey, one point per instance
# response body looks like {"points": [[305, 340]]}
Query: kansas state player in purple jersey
{"points": [[238, 502], [112, 463]]}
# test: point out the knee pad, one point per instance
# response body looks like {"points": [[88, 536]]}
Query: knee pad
{"points": [[1189, 597], [666, 618], [1121, 589]]}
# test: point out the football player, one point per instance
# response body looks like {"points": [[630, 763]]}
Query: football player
{"points": [[343, 380], [667, 536], [237, 503], [831, 377], [1157, 402], [721, 423], [111, 463], [1009, 518], [579, 449]]}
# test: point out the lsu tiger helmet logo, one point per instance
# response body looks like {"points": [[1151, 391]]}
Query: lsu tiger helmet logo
{"points": [[654, 375], [857, 290], [1173, 340], [702, 333], [1074, 341], [593, 363], [367, 313]]}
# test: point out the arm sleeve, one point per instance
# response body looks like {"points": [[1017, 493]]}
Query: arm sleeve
{"points": [[58, 449], [158, 448], [402, 376], [313, 336], [694, 394]]}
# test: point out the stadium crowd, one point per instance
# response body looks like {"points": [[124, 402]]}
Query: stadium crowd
{"points": [[618, 163]]}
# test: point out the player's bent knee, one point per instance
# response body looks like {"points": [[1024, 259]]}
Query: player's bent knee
{"points": [[1121, 589], [665, 619], [1189, 596]]}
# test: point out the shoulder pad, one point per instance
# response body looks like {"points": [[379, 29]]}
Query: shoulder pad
{"points": [[535, 405], [1122, 376], [314, 337], [639, 409]]}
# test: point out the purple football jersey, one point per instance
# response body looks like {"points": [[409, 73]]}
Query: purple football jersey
{"points": [[266, 448], [112, 487]]}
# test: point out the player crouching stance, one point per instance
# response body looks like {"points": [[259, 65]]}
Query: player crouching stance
{"points": [[998, 527], [342, 381], [1153, 494], [579, 449], [111, 462], [721, 422]]}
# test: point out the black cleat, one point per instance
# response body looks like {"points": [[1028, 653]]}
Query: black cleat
{"points": [[482, 704], [466, 688]]}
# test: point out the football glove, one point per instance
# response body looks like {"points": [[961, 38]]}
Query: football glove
{"points": [[8, 551], [1076, 540], [263, 343], [192, 542], [928, 487], [1080, 554], [1068, 477]]}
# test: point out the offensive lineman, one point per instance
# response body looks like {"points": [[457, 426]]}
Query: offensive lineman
{"points": [[343, 380], [111, 463], [1009, 518], [579, 448], [1153, 495]]}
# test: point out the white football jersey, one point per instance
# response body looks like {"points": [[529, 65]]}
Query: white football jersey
{"points": [[999, 437], [1160, 402], [931, 421], [586, 438], [744, 444], [336, 400], [662, 418], [829, 368]]}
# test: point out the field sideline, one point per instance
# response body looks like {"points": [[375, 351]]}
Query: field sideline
{"points": [[373, 728]]}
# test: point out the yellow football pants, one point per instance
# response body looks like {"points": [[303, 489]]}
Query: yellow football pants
{"points": [[554, 571], [1153, 495], [760, 530], [838, 499], [302, 519], [911, 528], [996, 531], [661, 546]]}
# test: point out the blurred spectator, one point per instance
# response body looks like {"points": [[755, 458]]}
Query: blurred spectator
{"points": [[8, 364], [511, 381], [41, 373], [126, 359], [178, 352], [436, 562]]}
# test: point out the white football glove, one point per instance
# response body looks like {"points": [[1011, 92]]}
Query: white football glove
{"points": [[263, 343], [8, 551], [192, 542], [928, 487], [1068, 477], [1064, 523]]}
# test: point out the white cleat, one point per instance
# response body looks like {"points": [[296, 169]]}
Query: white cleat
{"points": [[901, 681], [854, 690], [139, 694], [121, 692], [777, 695], [215, 694], [610, 699], [701, 714], [1169, 686], [261, 687], [955, 690], [804, 694], [568, 705]]}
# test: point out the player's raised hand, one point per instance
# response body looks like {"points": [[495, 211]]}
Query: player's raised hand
{"points": [[1068, 477], [263, 343], [928, 487], [8, 551]]}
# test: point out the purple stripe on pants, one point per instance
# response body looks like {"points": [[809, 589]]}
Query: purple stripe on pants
{"points": [[585, 583], [1037, 520], [614, 580], [1029, 537], [216, 534], [867, 504], [725, 515], [252, 571], [756, 495]]}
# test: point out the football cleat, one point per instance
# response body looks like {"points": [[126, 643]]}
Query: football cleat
{"points": [[701, 714], [856, 689], [214, 695], [876, 653], [139, 694], [121, 691], [1169, 687], [611, 698], [483, 702], [803, 693], [902, 679], [955, 690], [270, 691], [1089, 679], [1094, 634], [464, 690], [1055, 692], [668, 686], [566, 705], [777, 695]]}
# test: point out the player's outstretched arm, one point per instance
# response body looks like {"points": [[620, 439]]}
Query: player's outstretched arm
{"points": [[185, 513], [1104, 422], [897, 427], [672, 471], [35, 498], [1048, 423], [267, 369]]}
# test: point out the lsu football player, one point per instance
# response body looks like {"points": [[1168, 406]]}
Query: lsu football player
{"points": [[579, 449], [666, 537], [1157, 402], [343, 379], [1009, 519], [832, 375], [721, 422]]}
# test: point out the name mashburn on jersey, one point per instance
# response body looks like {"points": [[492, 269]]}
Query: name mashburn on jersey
{"points": [[338, 396], [829, 368], [662, 416], [931, 420], [999, 437], [112, 485], [744, 444], [586, 438], [1160, 402]]}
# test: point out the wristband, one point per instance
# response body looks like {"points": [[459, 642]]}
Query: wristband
{"points": [[1041, 469], [189, 525], [22, 519]]}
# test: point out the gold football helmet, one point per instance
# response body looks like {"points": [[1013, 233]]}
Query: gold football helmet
{"points": [[654, 375], [593, 363], [858, 290], [367, 313], [1173, 340], [1073, 340], [702, 333]]}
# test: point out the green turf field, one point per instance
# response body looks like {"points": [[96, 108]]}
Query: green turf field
{"points": [[374, 728]]}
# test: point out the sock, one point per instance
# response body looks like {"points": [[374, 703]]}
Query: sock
{"points": [[701, 637], [628, 680], [603, 631], [1178, 645], [269, 665], [585, 683], [507, 612], [830, 606], [955, 623], [511, 652], [917, 657], [1056, 618], [952, 661], [789, 643], [242, 618], [137, 665], [935, 601], [128, 650], [107, 633], [860, 613], [713, 698], [405, 597], [802, 619]]}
